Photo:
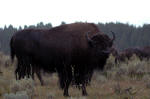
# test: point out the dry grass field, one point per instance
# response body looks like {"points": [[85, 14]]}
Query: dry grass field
{"points": [[128, 80]]}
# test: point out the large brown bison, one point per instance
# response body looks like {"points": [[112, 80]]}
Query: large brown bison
{"points": [[74, 51]]}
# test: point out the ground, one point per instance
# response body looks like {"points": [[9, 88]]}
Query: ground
{"points": [[129, 80]]}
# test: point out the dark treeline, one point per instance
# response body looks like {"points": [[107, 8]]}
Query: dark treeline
{"points": [[7, 32], [126, 35]]}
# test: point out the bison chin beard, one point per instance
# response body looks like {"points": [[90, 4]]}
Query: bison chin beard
{"points": [[102, 61]]}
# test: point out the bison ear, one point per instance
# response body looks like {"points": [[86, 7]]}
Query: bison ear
{"points": [[114, 37], [90, 41]]}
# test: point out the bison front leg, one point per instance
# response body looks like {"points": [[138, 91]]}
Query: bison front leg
{"points": [[65, 78], [66, 89], [64, 83], [84, 92], [67, 83]]}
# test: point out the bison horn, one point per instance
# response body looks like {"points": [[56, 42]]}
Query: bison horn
{"points": [[114, 37], [106, 51], [88, 38]]}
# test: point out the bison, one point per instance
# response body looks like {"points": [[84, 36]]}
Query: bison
{"points": [[146, 52], [141, 52], [74, 51]]}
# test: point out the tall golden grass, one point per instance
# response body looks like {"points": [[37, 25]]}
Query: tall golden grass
{"points": [[125, 80]]}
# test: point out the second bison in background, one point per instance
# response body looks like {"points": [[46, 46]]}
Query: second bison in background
{"points": [[141, 52]]}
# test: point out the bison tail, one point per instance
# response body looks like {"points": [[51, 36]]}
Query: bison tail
{"points": [[12, 54]]}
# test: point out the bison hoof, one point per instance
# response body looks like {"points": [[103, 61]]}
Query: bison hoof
{"points": [[84, 94], [42, 84], [66, 94]]}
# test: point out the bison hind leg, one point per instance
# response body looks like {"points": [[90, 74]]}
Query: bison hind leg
{"points": [[84, 92]]}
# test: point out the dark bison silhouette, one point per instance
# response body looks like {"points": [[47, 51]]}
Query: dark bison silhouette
{"points": [[141, 52], [74, 51], [146, 52]]}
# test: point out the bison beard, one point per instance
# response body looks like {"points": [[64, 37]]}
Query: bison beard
{"points": [[71, 50]]}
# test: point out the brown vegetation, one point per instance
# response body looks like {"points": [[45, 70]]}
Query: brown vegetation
{"points": [[128, 80]]}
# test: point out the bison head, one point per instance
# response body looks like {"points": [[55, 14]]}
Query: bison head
{"points": [[101, 42], [100, 45]]}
